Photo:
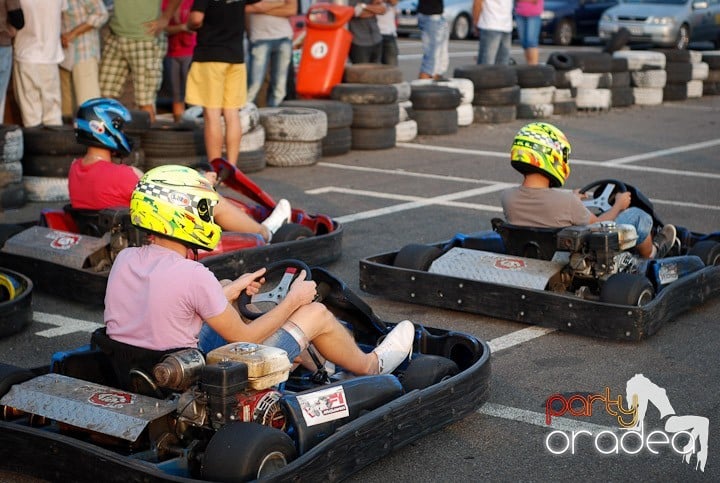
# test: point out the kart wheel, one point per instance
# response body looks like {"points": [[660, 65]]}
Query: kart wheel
{"points": [[246, 451], [292, 231], [416, 256], [424, 370], [279, 276], [15, 302], [708, 251], [627, 289]]}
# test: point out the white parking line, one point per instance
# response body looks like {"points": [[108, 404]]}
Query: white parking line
{"points": [[518, 337], [65, 325], [538, 419], [663, 152]]}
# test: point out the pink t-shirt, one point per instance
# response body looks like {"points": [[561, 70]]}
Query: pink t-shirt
{"points": [[157, 299], [100, 185], [529, 9]]}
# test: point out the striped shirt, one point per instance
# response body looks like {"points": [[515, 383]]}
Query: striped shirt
{"points": [[87, 45]]}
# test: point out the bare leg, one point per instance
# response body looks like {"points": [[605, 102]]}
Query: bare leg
{"points": [[233, 134], [233, 218], [149, 108], [213, 132], [531, 55], [333, 340], [645, 248]]}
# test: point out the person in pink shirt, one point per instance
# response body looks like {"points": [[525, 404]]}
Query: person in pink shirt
{"points": [[95, 182], [158, 299], [181, 43], [527, 18]]}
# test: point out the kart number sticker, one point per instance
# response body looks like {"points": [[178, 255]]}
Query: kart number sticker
{"points": [[319, 49], [63, 241], [111, 399], [324, 405], [668, 273], [510, 264]]}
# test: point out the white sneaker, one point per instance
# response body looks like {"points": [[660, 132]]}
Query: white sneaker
{"points": [[279, 216], [396, 347]]}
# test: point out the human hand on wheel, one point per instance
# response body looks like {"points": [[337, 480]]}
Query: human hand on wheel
{"points": [[303, 291], [622, 200], [251, 282]]}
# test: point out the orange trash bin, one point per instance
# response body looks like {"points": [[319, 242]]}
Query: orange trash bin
{"points": [[325, 50]]}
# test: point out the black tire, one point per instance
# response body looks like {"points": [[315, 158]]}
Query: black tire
{"points": [[10, 375], [622, 97], [620, 79], [564, 33], [501, 96], [678, 72], [338, 141], [425, 370], [375, 115], [291, 232], [10, 173], [675, 92], [494, 114], [540, 75], [251, 161], [339, 114], [12, 196], [56, 140], [369, 139], [488, 76], [172, 140], [627, 289], [593, 62], [564, 108], [246, 451], [708, 251], [372, 74], [139, 121], [619, 64], [52, 165], [364, 93], [15, 312], [416, 256], [561, 61], [11, 143], [617, 41], [436, 122], [434, 97], [674, 55]]}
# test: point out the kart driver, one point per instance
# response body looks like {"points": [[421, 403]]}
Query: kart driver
{"points": [[157, 298], [95, 182], [541, 152]]}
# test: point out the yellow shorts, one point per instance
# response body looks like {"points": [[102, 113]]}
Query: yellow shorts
{"points": [[216, 85]]}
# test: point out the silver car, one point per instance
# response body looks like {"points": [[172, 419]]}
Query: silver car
{"points": [[457, 12], [664, 23]]}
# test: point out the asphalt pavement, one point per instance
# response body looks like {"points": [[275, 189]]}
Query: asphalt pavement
{"points": [[670, 152]]}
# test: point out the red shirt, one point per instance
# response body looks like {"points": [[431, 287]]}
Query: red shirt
{"points": [[100, 185]]}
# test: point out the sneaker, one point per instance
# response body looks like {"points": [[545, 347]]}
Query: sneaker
{"points": [[279, 216], [396, 347], [664, 240]]}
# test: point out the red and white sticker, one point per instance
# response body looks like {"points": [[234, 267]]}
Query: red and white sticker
{"points": [[324, 405], [111, 399], [319, 49], [510, 264], [63, 241]]}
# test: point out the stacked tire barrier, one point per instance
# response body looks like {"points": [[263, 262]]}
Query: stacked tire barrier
{"points": [[497, 92], [593, 91], [711, 85], [293, 135], [621, 92], [537, 90], [12, 190], [406, 128], [338, 139], [172, 143], [679, 75], [647, 74], [48, 153], [567, 79], [435, 109], [465, 113], [375, 113]]}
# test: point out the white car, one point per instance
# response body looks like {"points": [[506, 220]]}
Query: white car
{"points": [[457, 12], [665, 23]]}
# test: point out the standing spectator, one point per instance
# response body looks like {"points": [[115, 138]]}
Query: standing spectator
{"points": [[527, 17], [136, 46], [270, 35], [81, 24], [218, 79], [435, 34], [366, 44], [38, 52], [493, 19], [11, 20], [388, 30], [181, 43]]}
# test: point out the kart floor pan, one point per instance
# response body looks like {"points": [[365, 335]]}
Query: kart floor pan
{"points": [[88, 286], [539, 307]]}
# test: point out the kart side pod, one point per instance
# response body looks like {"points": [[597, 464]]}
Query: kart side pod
{"points": [[316, 414]]}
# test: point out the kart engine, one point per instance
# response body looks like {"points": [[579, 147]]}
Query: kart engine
{"points": [[235, 384], [599, 250]]}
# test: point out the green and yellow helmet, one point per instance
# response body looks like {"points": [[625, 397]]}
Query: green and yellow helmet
{"points": [[176, 202], [542, 148]]}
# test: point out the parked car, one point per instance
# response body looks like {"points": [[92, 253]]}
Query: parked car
{"points": [[457, 12], [664, 23], [568, 21]]}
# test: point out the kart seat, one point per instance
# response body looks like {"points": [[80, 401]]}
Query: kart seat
{"points": [[133, 366], [525, 241], [87, 221]]}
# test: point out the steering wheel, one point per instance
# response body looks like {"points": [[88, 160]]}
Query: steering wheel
{"points": [[608, 188], [270, 296]]}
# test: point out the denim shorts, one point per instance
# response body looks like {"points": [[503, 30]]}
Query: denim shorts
{"points": [[637, 218], [528, 29], [208, 340]]}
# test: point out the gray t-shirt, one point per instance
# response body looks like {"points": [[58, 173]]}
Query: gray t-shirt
{"points": [[543, 207]]}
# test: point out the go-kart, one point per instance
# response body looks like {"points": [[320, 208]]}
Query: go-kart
{"points": [[583, 279], [239, 412], [15, 302], [69, 252]]}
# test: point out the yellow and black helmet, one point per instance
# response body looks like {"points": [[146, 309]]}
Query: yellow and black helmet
{"points": [[176, 202], [542, 148]]}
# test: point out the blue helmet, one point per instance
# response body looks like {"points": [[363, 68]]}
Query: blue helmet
{"points": [[99, 122]]}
